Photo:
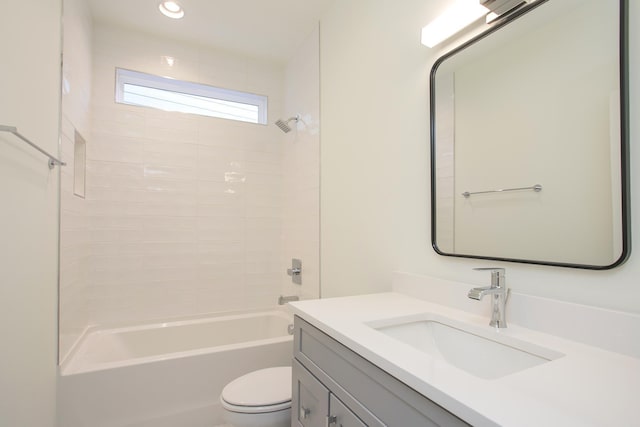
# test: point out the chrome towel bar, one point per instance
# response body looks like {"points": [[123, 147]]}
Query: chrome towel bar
{"points": [[53, 161], [537, 188]]}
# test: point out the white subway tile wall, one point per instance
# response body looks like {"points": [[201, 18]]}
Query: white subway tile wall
{"points": [[74, 222], [187, 215], [176, 201]]}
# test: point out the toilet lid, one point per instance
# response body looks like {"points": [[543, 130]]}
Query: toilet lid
{"points": [[266, 387]]}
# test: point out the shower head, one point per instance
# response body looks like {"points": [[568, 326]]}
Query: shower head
{"points": [[284, 125]]}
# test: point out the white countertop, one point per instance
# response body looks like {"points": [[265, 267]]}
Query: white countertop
{"points": [[588, 386]]}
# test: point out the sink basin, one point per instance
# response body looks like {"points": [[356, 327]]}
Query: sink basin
{"points": [[485, 354]]}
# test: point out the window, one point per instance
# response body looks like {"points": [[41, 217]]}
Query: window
{"points": [[168, 94]]}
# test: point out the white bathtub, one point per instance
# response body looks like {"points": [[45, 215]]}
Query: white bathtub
{"points": [[167, 374]]}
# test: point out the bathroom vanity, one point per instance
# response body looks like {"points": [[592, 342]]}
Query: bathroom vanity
{"points": [[335, 386], [430, 358]]}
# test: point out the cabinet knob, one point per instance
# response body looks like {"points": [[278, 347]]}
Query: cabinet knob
{"points": [[304, 412]]}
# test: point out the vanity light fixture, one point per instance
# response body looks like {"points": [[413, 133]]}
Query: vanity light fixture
{"points": [[463, 13], [500, 8], [452, 20], [171, 9]]}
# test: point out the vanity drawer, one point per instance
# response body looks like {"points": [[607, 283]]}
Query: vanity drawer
{"points": [[376, 397]]}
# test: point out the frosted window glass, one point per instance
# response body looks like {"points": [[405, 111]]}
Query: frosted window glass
{"points": [[147, 90]]}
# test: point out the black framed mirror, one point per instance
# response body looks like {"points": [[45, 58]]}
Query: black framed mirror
{"points": [[529, 139]]}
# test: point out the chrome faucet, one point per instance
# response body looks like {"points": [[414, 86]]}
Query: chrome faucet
{"points": [[499, 295], [283, 300]]}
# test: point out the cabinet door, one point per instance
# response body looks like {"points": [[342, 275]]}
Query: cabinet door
{"points": [[310, 399], [341, 416]]}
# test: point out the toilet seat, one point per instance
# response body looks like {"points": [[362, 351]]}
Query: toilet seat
{"points": [[262, 391], [255, 409]]}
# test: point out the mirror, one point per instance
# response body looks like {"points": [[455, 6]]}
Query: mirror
{"points": [[529, 134]]}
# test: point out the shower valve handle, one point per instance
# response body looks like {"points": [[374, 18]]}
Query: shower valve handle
{"points": [[294, 271]]}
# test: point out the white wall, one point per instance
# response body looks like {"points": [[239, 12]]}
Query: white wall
{"points": [[301, 168], [374, 146], [29, 83], [375, 164]]}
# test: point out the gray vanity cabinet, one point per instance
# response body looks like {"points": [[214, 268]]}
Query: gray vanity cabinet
{"points": [[315, 406], [334, 386], [342, 416], [310, 399]]}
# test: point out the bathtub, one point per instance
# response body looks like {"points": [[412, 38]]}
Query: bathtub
{"points": [[167, 374]]}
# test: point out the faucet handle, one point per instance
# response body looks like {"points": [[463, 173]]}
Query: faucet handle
{"points": [[497, 275]]}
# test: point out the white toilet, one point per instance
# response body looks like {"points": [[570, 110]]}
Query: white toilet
{"points": [[259, 399]]}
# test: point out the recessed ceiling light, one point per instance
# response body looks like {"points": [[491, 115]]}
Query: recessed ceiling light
{"points": [[171, 9]]}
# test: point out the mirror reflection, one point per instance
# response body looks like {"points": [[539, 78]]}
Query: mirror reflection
{"points": [[528, 140]]}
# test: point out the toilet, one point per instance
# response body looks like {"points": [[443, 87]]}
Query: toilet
{"points": [[259, 399]]}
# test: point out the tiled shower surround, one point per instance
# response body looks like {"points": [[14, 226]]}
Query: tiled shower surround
{"points": [[185, 214]]}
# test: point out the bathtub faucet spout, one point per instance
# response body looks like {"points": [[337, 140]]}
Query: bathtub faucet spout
{"points": [[283, 300]]}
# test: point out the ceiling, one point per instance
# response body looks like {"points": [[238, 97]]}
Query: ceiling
{"points": [[266, 28]]}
